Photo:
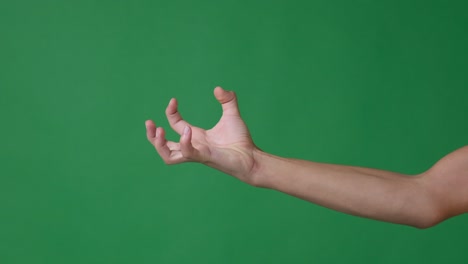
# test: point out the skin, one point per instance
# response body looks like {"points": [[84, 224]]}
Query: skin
{"points": [[421, 201]]}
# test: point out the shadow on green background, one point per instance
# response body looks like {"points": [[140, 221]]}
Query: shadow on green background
{"points": [[377, 84]]}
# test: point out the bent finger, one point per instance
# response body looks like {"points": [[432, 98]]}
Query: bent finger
{"points": [[228, 101], [174, 117], [186, 147], [150, 130], [162, 147]]}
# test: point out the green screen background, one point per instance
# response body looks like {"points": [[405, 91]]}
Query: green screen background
{"points": [[380, 84]]}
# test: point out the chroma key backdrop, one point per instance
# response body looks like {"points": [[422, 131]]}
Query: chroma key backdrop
{"points": [[381, 84]]}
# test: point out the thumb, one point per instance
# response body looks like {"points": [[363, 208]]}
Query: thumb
{"points": [[228, 100]]}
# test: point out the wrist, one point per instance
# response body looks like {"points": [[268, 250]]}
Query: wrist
{"points": [[255, 174]]}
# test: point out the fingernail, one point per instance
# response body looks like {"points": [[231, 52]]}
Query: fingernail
{"points": [[158, 132], [186, 130]]}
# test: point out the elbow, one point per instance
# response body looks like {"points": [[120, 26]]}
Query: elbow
{"points": [[443, 189], [428, 221], [432, 211], [428, 215]]}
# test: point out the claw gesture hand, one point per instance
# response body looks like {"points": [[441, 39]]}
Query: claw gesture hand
{"points": [[227, 146]]}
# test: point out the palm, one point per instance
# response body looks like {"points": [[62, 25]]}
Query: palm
{"points": [[229, 131]]}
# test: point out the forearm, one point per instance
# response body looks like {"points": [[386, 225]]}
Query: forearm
{"points": [[365, 192]]}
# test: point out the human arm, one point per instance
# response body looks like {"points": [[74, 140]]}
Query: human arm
{"points": [[421, 201]]}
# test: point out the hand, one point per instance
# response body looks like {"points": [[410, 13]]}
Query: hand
{"points": [[227, 147]]}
